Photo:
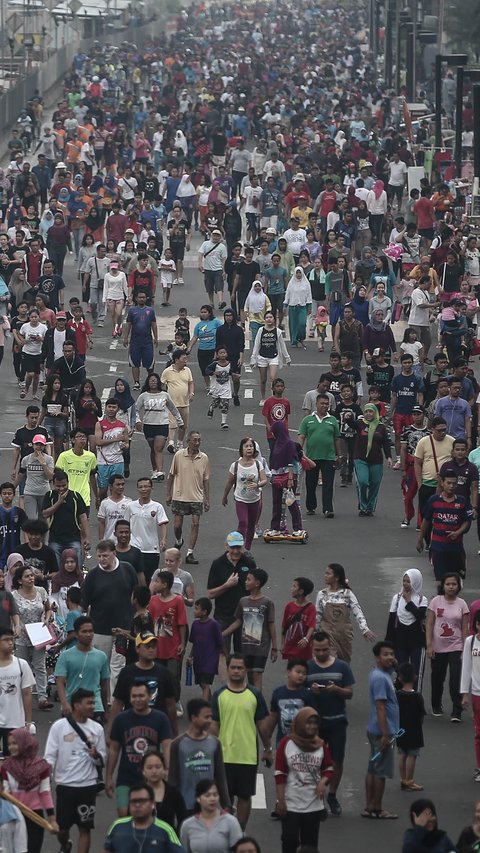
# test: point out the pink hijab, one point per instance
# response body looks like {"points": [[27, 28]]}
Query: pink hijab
{"points": [[378, 188]]}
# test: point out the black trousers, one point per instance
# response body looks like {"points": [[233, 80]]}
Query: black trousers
{"points": [[300, 828], [327, 468], [424, 493], [440, 663]]}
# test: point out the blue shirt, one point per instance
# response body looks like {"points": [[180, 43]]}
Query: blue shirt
{"points": [[286, 703], [332, 708], [406, 388], [381, 688], [454, 412], [206, 333], [141, 320]]}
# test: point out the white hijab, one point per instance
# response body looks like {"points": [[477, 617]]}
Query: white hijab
{"points": [[298, 289], [181, 141], [185, 188], [399, 604], [255, 302]]}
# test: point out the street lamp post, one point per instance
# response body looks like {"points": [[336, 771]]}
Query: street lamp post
{"points": [[455, 59]]}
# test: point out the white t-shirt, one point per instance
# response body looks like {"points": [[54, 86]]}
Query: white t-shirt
{"points": [[127, 187], [412, 349], [33, 347], [167, 276], [58, 342], [144, 522], [111, 511], [252, 199], [246, 476], [295, 239], [66, 752], [397, 174], [419, 316], [13, 679]]}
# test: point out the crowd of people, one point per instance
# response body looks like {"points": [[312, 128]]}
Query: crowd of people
{"points": [[269, 137]]}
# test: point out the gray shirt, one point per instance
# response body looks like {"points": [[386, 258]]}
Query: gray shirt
{"points": [[240, 160], [193, 759], [198, 837], [36, 482]]}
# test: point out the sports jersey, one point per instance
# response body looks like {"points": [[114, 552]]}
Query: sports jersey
{"points": [[411, 435], [79, 469], [110, 454], [238, 713], [11, 521], [446, 517], [141, 320]]}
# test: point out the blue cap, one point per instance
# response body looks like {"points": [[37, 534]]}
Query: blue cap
{"points": [[235, 539]]}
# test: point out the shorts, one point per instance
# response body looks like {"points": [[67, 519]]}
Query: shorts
{"points": [[266, 362], [122, 795], [204, 678], [213, 281], [152, 431], [56, 427], [336, 737], [241, 780], [218, 159], [256, 663], [384, 765], [401, 421], [410, 753], [204, 358], [187, 507], [31, 363], [141, 354], [76, 806], [426, 232], [115, 302], [104, 472], [178, 251]]}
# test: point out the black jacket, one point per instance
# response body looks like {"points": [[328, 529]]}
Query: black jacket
{"points": [[48, 355]]}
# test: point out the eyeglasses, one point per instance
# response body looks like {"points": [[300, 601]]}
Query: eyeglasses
{"points": [[140, 801]]}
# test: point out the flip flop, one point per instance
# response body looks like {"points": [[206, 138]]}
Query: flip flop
{"points": [[369, 813], [383, 815]]}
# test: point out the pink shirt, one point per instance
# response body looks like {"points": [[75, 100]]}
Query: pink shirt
{"points": [[447, 628]]}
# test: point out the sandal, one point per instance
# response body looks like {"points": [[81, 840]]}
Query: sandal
{"points": [[384, 815], [369, 813]]}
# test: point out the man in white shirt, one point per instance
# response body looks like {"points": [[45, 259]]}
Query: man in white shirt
{"points": [[127, 185], [251, 196], [113, 507], [75, 760], [295, 237], [148, 523], [16, 681], [419, 318], [396, 182]]}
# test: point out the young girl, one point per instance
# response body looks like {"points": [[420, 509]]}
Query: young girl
{"points": [[220, 385], [412, 347], [203, 191], [88, 408], [127, 413], [54, 413], [321, 323], [115, 292], [167, 275]]}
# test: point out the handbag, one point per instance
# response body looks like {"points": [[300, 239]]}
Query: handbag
{"points": [[98, 762], [280, 481], [306, 463]]}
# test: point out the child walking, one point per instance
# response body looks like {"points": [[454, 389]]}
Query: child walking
{"points": [[220, 372], [412, 712], [167, 275], [206, 646], [255, 614]]}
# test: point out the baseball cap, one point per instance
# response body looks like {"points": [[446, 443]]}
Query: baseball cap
{"points": [[235, 539], [61, 315], [40, 439], [113, 266], [217, 231], [144, 637], [61, 165], [129, 231], [418, 408], [271, 231], [298, 177]]}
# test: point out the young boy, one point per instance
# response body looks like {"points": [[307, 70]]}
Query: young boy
{"points": [[83, 332], [298, 622], [412, 712], [346, 414], [178, 343], [374, 396], [380, 373], [182, 324], [220, 372], [170, 627], [288, 699], [207, 645], [275, 408], [11, 520], [167, 275], [142, 622], [255, 614]]}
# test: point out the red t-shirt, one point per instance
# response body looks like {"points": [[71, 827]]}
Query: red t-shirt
{"points": [[168, 617], [425, 213], [81, 329], [275, 409], [296, 622]]}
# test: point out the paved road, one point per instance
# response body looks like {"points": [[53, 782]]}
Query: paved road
{"points": [[374, 551]]}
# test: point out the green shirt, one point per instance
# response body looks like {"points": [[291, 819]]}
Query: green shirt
{"points": [[79, 469], [83, 669], [238, 714], [320, 436]]}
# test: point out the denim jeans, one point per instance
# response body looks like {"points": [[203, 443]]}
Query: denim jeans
{"points": [[59, 547]]}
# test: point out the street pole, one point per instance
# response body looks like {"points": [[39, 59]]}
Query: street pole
{"points": [[459, 122], [476, 130], [398, 49], [410, 61], [388, 44], [438, 101]]}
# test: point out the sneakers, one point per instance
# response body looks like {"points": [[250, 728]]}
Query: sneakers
{"points": [[222, 305], [455, 717], [397, 465], [158, 475], [236, 401], [191, 560], [476, 775], [405, 523], [223, 426], [261, 402], [170, 446], [437, 712], [329, 514], [334, 805], [136, 386], [180, 281], [210, 412]]}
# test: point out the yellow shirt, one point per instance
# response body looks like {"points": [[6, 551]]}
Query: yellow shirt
{"points": [[302, 215], [78, 469], [189, 475], [424, 452], [177, 384]]}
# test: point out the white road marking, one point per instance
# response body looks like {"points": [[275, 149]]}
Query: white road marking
{"points": [[113, 368], [248, 369], [259, 801], [248, 420], [247, 344], [248, 393], [233, 449]]}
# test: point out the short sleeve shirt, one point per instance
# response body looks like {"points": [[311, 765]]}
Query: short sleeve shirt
{"points": [[238, 714], [447, 628]]}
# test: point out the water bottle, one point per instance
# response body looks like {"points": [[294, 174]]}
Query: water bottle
{"points": [[188, 675]]}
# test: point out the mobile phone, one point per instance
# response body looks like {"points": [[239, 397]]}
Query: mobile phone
{"points": [[315, 684]]}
